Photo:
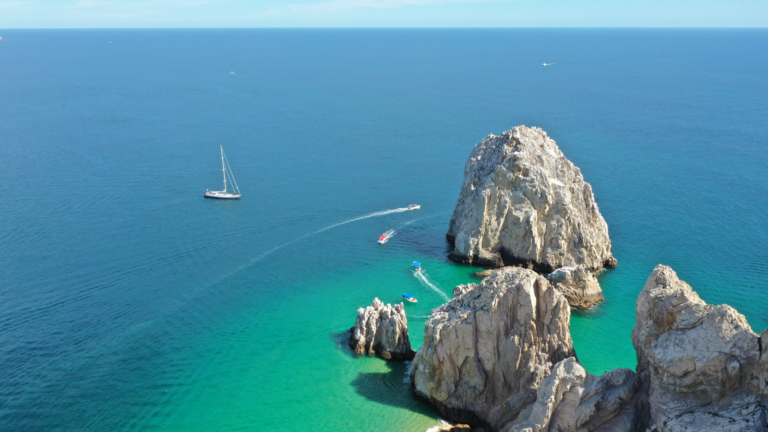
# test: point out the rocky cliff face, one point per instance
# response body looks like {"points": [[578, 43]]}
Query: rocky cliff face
{"points": [[523, 202], [382, 330], [486, 351], [705, 365], [571, 399], [578, 285]]}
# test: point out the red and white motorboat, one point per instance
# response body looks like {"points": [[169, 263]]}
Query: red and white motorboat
{"points": [[386, 236]]}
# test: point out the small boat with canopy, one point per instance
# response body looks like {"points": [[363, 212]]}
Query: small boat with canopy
{"points": [[417, 266], [227, 172], [410, 298]]}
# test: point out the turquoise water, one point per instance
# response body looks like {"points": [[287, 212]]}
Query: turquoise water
{"points": [[128, 302]]}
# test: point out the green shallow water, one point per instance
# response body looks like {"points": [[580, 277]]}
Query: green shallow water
{"points": [[288, 362]]}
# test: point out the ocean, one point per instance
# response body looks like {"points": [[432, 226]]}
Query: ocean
{"points": [[130, 302]]}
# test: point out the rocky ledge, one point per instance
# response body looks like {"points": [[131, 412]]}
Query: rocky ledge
{"points": [[524, 202], [381, 330], [578, 285]]}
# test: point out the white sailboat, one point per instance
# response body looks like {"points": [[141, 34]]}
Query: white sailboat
{"points": [[224, 194]]}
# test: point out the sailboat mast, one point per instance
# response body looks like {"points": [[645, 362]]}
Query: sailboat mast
{"points": [[223, 169]]}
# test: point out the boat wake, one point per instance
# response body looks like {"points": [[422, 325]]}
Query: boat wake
{"points": [[388, 234], [420, 275], [298, 239]]}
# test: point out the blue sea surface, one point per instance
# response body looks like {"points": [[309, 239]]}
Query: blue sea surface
{"points": [[130, 302]]}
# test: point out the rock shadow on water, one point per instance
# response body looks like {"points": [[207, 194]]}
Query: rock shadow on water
{"points": [[341, 342], [391, 388]]}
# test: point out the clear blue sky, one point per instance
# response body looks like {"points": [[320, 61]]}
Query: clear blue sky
{"points": [[382, 13]]}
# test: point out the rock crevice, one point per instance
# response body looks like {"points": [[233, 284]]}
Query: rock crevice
{"points": [[578, 285]]}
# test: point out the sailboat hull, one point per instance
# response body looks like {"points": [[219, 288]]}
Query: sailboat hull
{"points": [[221, 195]]}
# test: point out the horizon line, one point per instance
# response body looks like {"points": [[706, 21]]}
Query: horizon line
{"points": [[398, 28]]}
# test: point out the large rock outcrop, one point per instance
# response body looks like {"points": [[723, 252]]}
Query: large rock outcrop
{"points": [[703, 362], [578, 285], [524, 202], [500, 355], [382, 330], [487, 350]]}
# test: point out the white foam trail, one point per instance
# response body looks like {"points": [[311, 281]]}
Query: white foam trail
{"points": [[276, 248], [391, 232], [423, 278]]}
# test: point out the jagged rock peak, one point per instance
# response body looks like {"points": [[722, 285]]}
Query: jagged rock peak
{"points": [[486, 351], [524, 202], [703, 362], [578, 285], [382, 330]]}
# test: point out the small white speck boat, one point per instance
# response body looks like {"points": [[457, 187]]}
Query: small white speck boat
{"points": [[414, 207], [224, 194]]}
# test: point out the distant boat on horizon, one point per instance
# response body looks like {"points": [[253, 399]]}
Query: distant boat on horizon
{"points": [[224, 194]]}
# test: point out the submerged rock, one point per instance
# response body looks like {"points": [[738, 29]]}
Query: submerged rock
{"points": [[578, 285], [486, 351], [482, 274], [382, 330], [524, 202], [703, 362]]}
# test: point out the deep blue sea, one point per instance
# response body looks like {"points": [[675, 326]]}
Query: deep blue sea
{"points": [[130, 302]]}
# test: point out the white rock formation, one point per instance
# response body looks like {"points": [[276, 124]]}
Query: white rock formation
{"points": [[571, 399], [703, 361], [578, 285], [524, 202], [486, 351], [382, 330]]}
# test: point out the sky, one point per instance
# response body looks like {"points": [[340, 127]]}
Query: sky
{"points": [[381, 13]]}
